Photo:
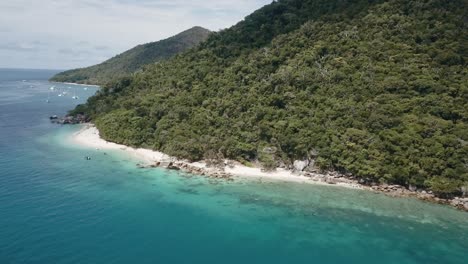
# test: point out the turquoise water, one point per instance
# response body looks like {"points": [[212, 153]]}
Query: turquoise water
{"points": [[56, 207]]}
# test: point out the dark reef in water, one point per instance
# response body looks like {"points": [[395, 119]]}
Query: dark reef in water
{"points": [[69, 119]]}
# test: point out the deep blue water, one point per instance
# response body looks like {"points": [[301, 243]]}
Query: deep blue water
{"points": [[55, 207]]}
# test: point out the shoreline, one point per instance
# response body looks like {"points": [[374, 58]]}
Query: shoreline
{"points": [[88, 136], [78, 84]]}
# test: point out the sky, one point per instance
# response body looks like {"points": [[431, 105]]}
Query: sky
{"points": [[66, 34]]}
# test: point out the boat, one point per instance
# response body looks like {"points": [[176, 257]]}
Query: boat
{"points": [[86, 88], [74, 95]]}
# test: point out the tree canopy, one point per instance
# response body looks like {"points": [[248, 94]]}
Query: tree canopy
{"points": [[374, 88]]}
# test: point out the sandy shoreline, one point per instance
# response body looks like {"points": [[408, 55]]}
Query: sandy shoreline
{"points": [[88, 136], [78, 84]]}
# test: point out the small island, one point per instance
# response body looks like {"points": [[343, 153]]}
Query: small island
{"points": [[362, 98]]}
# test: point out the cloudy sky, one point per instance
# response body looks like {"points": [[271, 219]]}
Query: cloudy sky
{"points": [[63, 34]]}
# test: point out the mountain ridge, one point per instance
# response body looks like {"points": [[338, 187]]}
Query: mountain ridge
{"points": [[135, 59]]}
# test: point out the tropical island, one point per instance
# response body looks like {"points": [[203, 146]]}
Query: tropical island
{"points": [[373, 90], [135, 59]]}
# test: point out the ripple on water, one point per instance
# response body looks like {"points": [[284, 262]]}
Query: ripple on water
{"points": [[57, 208]]}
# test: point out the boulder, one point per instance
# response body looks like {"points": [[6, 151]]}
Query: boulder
{"points": [[172, 166], [464, 190], [331, 181], [300, 165]]}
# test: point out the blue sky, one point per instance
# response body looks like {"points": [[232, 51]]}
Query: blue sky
{"points": [[63, 34]]}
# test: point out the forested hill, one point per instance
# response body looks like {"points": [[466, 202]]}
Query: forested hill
{"points": [[374, 88], [134, 59]]}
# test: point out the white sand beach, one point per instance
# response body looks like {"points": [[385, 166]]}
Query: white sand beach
{"points": [[88, 136], [77, 84]]}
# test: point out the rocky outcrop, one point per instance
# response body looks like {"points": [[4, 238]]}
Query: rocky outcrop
{"points": [[69, 120], [460, 203], [330, 177], [336, 178], [215, 173], [300, 165]]}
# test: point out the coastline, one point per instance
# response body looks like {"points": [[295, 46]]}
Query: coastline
{"points": [[88, 136], [78, 84]]}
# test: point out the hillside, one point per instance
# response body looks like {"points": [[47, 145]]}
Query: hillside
{"points": [[373, 88], [134, 59]]}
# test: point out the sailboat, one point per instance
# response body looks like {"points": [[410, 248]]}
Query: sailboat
{"points": [[48, 97], [74, 94]]}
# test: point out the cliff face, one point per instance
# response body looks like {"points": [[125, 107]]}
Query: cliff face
{"points": [[135, 59]]}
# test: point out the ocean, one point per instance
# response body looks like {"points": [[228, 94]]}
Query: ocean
{"points": [[57, 207]]}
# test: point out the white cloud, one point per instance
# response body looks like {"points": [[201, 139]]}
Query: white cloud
{"points": [[93, 30]]}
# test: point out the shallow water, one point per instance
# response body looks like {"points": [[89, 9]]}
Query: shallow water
{"points": [[56, 207]]}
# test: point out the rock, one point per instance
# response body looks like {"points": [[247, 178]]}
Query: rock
{"points": [[69, 120], [300, 165], [331, 181], [454, 202], [464, 190], [171, 166], [465, 205], [412, 188]]}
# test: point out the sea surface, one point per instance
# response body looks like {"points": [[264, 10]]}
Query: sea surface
{"points": [[57, 207]]}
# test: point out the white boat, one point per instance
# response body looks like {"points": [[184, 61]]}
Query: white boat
{"points": [[86, 88], [74, 95]]}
